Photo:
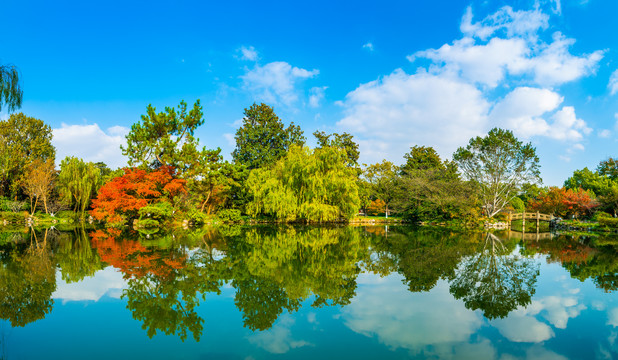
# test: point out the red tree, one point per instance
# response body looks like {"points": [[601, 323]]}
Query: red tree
{"points": [[121, 198], [565, 202]]}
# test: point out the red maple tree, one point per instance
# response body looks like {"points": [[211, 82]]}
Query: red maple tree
{"points": [[122, 197]]}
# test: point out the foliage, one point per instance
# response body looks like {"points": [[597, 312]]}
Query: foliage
{"points": [[23, 139], [78, 181], [158, 211], [376, 207], [343, 141], [121, 198], [311, 185], [10, 88], [500, 164], [262, 139], [382, 180], [229, 215], [37, 181], [166, 138], [426, 158], [565, 202]]}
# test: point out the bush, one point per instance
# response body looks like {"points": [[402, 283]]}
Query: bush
{"points": [[66, 214], [158, 211], [10, 205], [147, 223], [229, 215], [610, 222], [197, 217]]}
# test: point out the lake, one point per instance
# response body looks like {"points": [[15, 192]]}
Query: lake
{"points": [[264, 292]]}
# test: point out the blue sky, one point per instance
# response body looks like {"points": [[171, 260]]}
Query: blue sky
{"points": [[392, 73]]}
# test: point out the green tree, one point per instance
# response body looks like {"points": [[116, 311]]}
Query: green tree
{"points": [[500, 164], [78, 181], [311, 185], [10, 88], [262, 138], [344, 141], [22, 140], [165, 138], [382, 178], [423, 158], [608, 168]]}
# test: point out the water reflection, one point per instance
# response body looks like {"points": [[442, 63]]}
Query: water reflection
{"points": [[275, 271]]}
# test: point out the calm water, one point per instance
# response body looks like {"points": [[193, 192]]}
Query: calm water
{"points": [[306, 293]]}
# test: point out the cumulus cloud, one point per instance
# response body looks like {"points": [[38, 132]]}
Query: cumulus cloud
{"points": [[514, 50], [456, 91], [523, 111], [399, 110], [248, 53], [368, 46], [91, 143], [276, 82]]}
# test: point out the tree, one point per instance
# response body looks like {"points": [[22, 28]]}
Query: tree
{"points": [[37, 182], [423, 158], [500, 164], [565, 202], [262, 139], [10, 89], [608, 168], [22, 140], [382, 178], [122, 197], [344, 141], [78, 181], [166, 138], [311, 185]]}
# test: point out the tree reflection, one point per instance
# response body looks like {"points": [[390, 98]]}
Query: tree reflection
{"points": [[495, 280], [27, 281], [75, 256], [422, 256], [276, 269]]}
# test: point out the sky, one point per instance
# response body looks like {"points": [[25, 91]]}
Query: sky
{"points": [[394, 74]]}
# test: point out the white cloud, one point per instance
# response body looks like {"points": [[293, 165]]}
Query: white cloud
{"points": [[522, 111], [278, 339], [316, 95], [613, 83], [276, 82], [368, 46], [612, 317], [400, 110], [91, 143], [398, 318], [248, 53], [519, 52], [520, 328], [108, 281]]}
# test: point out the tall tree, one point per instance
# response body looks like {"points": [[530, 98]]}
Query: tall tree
{"points": [[22, 140], [262, 138], [165, 138], [343, 141], [10, 88], [500, 164], [422, 158]]}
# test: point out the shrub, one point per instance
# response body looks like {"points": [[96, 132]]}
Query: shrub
{"points": [[229, 215], [197, 217], [609, 222], [146, 223], [12, 217], [158, 211]]}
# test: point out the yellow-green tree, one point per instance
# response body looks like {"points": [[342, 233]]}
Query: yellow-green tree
{"points": [[310, 185], [77, 181]]}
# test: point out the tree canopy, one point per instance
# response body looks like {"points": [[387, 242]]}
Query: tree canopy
{"points": [[500, 164], [262, 138]]}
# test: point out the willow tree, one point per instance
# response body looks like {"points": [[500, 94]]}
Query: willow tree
{"points": [[77, 182], [500, 164], [310, 185], [10, 88]]}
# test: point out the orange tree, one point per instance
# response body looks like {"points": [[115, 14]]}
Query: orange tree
{"points": [[121, 198], [565, 202]]}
